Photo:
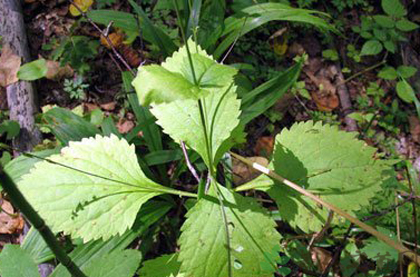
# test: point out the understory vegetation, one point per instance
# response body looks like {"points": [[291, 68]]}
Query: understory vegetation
{"points": [[198, 138]]}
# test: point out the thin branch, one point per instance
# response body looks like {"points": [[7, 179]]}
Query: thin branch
{"points": [[187, 160], [234, 42], [105, 35]]}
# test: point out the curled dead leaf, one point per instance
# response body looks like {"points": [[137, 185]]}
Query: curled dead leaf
{"points": [[321, 257], [115, 38], [10, 222], [9, 66]]}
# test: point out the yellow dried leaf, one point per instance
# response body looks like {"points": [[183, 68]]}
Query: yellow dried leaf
{"points": [[115, 38], [83, 5], [9, 66]]}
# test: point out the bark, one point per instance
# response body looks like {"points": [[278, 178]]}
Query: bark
{"points": [[20, 95]]}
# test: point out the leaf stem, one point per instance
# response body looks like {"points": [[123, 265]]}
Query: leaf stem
{"points": [[398, 246], [19, 201]]}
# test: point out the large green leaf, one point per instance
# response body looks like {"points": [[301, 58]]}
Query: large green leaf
{"points": [[329, 163], [87, 205], [121, 263], [176, 80], [184, 119], [253, 239], [16, 262], [163, 266]]}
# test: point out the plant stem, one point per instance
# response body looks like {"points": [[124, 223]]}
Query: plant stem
{"points": [[363, 71], [397, 246], [39, 224]]}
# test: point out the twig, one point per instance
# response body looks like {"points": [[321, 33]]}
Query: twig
{"points": [[234, 42], [187, 160], [361, 72], [337, 252], [105, 35]]}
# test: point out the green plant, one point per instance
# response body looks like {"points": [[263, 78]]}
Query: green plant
{"points": [[75, 88], [76, 51], [225, 233], [384, 31], [10, 129], [403, 88]]}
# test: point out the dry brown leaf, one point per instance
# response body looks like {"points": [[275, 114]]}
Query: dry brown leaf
{"points": [[124, 126], [243, 173], [326, 102], [325, 97], [109, 106], [115, 38], [57, 72], [9, 222], [9, 66], [264, 146], [414, 128]]}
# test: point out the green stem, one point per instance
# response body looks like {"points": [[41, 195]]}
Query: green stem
{"points": [[394, 244], [38, 223]]}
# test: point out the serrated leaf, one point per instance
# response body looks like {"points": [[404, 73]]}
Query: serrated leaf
{"points": [[405, 91], [88, 206], [388, 73], [121, 263], [379, 251], [371, 47], [393, 7], [253, 239], [163, 266], [175, 80], [183, 119], [16, 262], [328, 163]]}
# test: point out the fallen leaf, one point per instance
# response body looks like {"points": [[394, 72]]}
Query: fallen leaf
{"points": [[9, 222], [414, 128], [115, 38], [124, 126], [242, 173], [109, 106], [57, 72], [264, 146], [278, 41], [83, 5], [131, 55], [9, 66], [325, 97]]}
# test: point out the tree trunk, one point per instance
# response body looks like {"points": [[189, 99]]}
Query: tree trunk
{"points": [[20, 95]]}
